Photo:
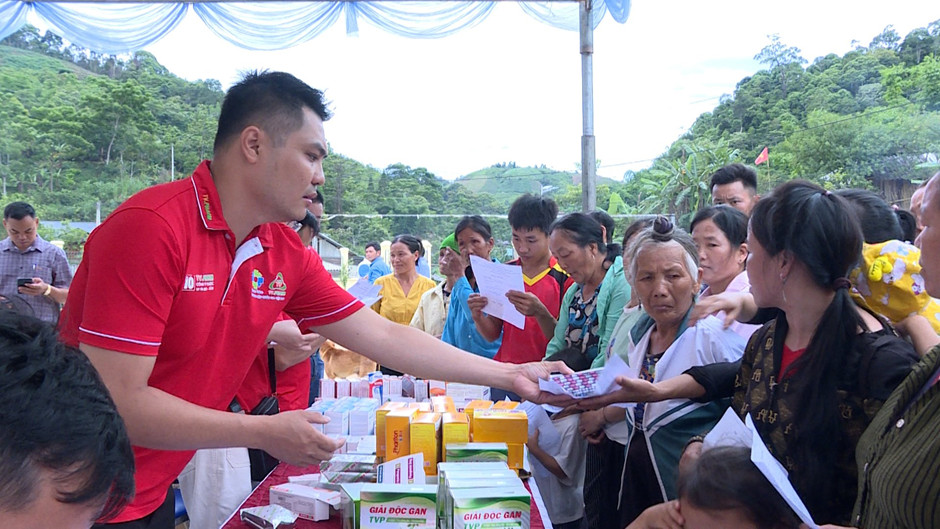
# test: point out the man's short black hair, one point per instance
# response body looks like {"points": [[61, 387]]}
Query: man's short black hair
{"points": [[273, 101], [529, 212], [735, 172], [374, 245], [18, 211], [57, 416]]}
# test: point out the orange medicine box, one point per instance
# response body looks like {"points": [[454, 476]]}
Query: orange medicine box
{"points": [[380, 426], [516, 456], [398, 432], [473, 406], [500, 426], [426, 439], [455, 429], [443, 404], [505, 405]]}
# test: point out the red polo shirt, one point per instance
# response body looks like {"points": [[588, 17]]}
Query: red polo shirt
{"points": [[292, 384], [528, 345], [162, 277]]}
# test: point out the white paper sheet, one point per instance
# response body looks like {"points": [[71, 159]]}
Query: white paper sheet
{"points": [[549, 438], [365, 291], [730, 431], [494, 281]]}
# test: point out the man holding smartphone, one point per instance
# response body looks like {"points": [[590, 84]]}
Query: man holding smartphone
{"points": [[31, 268]]}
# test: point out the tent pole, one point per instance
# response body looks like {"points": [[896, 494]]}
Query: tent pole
{"points": [[588, 165]]}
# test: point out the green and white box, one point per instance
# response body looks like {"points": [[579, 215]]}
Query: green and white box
{"points": [[491, 508], [477, 453], [444, 467], [471, 480], [466, 471], [386, 506], [350, 504]]}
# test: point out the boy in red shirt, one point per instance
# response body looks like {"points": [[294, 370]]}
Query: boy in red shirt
{"points": [[531, 218]]}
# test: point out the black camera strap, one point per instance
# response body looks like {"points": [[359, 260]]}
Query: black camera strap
{"points": [[272, 377]]}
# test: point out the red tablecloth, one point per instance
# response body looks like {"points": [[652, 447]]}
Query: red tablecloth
{"points": [[280, 474]]}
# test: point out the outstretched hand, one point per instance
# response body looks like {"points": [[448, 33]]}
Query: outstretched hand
{"points": [[526, 384], [732, 303], [631, 390]]}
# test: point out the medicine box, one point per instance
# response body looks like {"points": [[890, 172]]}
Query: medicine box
{"points": [[468, 470], [471, 407], [499, 426], [327, 388], [477, 452], [398, 432], [464, 393], [349, 504], [503, 507], [443, 404], [308, 502], [455, 429], [467, 480], [398, 507], [426, 439], [380, 414], [349, 463], [436, 388]]}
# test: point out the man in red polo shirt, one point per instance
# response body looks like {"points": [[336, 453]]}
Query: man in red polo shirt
{"points": [[179, 287]]}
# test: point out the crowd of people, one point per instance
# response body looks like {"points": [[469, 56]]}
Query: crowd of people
{"points": [[185, 357]]}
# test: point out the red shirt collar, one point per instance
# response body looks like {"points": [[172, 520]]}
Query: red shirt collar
{"points": [[210, 206]]}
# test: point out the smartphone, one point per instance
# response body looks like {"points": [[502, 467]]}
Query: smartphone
{"points": [[23, 281]]}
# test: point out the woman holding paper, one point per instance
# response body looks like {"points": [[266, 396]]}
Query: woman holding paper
{"points": [[593, 304], [474, 237], [812, 377]]}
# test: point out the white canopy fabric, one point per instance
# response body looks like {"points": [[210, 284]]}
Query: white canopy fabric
{"points": [[111, 27]]}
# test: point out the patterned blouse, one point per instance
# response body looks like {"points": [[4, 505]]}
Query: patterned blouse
{"points": [[582, 323]]}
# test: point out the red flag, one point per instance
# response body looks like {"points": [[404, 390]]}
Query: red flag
{"points": [[762, 157]]}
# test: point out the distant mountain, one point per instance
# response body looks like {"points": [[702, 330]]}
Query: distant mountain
{"points": [[507, 181]]}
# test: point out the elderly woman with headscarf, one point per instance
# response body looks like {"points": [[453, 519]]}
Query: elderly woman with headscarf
{"points": [[665, 274]]}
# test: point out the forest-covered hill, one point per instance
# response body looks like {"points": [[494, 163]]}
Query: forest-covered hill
{"points": [[870, 118], [79, 128]]}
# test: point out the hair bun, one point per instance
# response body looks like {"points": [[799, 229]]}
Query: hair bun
{"points": [[663, 226]]}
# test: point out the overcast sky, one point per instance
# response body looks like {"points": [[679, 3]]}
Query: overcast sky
{"points": [[509, 89]]}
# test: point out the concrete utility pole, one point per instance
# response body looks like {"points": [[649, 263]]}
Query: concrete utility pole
{"points": [[588, 165]]}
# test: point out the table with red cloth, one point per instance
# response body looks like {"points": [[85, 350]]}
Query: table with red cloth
{"points": [[279, 475]]}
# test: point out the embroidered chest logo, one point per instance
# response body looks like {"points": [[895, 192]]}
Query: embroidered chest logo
{"points": [[278, 283], [205, 206], [275, 290], [257, 280], [199, 283]]}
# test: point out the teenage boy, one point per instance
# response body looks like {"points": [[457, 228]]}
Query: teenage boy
{"points": [[531, 219]]}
